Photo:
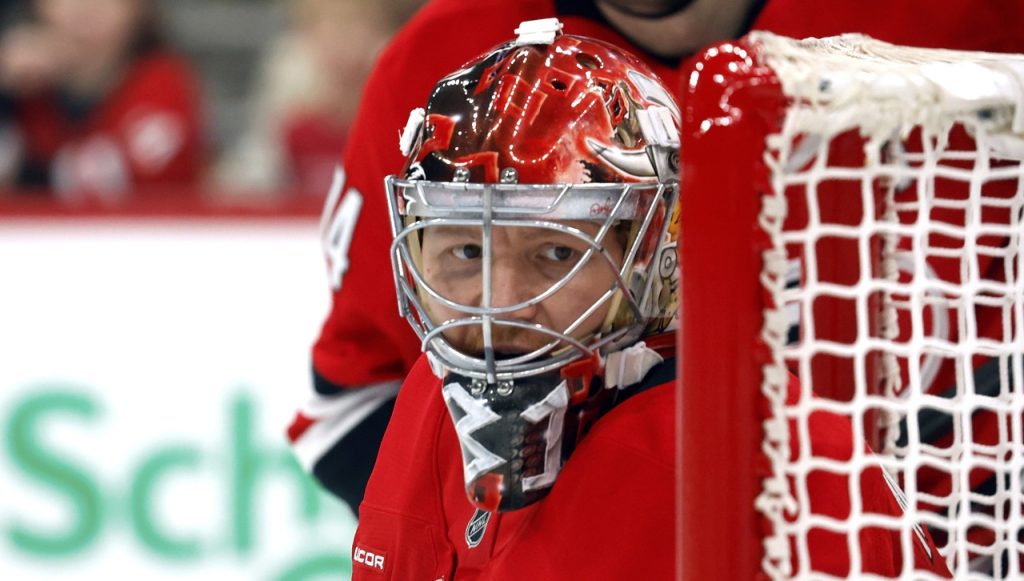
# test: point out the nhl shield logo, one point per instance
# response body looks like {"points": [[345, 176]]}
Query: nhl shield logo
{"points": [[477, 527]]}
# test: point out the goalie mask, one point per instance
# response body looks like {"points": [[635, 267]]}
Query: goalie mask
{"points": [[535, 231]]}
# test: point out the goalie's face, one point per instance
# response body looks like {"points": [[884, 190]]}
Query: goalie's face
{"points": [[523, 265]]}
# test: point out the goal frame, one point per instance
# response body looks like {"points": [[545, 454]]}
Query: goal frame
{"points": [[731, 103], [838, 141]]}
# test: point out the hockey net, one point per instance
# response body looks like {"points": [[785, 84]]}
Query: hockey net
{"points": [[851, 247]]}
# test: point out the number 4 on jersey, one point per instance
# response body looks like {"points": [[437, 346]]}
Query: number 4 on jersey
{"points": [[337, 224]]}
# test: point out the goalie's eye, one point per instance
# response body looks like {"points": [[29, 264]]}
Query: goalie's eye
{"points": [[559, 253], [467, 251]]}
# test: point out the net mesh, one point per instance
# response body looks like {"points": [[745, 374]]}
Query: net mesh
{"points": [[896, 299]]}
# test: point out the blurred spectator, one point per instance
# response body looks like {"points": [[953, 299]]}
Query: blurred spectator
{"points": [[305, 101], [94, 104]]}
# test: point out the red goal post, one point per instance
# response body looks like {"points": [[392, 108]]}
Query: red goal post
{"points": [[851, 217]]}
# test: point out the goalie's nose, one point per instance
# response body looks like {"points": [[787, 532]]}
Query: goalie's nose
{"points": [[510, 285]]}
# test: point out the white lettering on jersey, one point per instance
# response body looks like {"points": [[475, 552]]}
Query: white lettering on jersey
{"points": [[368, 558], [476, 459], [337, 225], [553, 407]]}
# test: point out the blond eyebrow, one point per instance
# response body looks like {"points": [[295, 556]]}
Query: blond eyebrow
{"points": [[455, 231], [532, 233], [527, 232]]}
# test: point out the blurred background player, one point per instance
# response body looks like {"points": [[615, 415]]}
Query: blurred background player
{"points": [[93, 102], [304, 101], [364, 349], [538, 227]]}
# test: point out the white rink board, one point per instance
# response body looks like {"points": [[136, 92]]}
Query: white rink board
{"points": [[148, 370]]}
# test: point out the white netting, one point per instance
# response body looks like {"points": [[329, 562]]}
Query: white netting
{"points": [[898, 191]]}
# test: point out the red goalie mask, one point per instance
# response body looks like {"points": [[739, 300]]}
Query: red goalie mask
{"points": [[560, 156], [567, 112]]}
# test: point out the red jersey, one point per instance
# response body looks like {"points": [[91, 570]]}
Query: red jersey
{"points": [[610, 515], [363, 341], [146, 132], [616, 490]]}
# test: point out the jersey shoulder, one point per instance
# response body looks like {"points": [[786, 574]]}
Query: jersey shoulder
{"points": [[401, 521], [619, 484], [408, 451], [643, 426]]}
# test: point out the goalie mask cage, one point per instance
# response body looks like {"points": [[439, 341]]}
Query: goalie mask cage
{"points": [[851, 248]]}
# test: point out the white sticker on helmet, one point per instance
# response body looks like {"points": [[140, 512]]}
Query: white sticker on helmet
{"points": [[541, 31], [412, 130]]}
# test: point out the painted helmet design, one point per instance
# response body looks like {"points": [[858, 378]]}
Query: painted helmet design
{"points": [[545, 132]]}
